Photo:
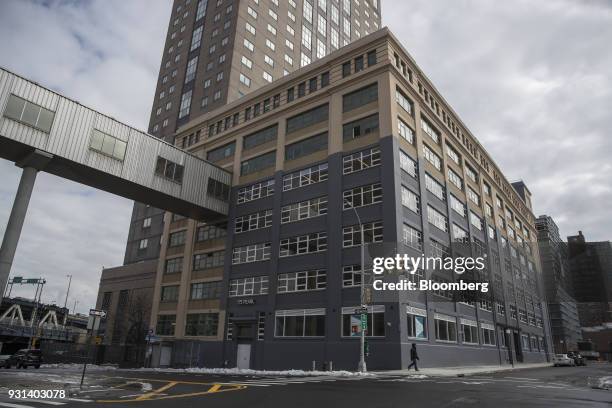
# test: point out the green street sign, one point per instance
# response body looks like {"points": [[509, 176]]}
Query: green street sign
{"points": [[364, 321], [17, 279]]}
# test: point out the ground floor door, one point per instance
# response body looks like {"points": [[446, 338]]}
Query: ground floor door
{"points": [[165, 356], [243, 357], [518, 347]]}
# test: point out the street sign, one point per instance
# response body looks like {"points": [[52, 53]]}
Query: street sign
{"points": [[364, 321], [17, 279], [100, 313]]}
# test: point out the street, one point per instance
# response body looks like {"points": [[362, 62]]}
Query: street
{"points": [[542, 387]]}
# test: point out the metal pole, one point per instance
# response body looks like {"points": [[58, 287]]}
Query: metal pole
{"points": [[362, 364], [68, 290], [15, 223]]}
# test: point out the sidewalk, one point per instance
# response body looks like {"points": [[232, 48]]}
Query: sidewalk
{"points": [[460, 371]]}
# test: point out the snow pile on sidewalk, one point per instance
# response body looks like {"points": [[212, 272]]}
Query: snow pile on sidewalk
{"points": [[75, 366], [604, 383], [242, 371]]}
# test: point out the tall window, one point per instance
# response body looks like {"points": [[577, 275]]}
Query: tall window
{"points": [[410, 200], [446, 328], [417, 322], [185, 104]]}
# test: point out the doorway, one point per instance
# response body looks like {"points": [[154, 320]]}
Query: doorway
{"points": [[518, 347], [243, 356]]}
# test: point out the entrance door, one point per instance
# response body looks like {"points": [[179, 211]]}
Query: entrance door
{"points": [[243, 358], [164, 356], [518, 347]]}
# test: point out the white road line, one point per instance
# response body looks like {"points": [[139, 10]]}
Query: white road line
{"points": [[78, 399], [41, 401], [9, 405]]}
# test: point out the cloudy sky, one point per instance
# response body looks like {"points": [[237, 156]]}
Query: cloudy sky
{"points": [[530, 78]]}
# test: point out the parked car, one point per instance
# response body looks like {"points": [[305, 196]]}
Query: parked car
{"points": [[578, 359], [563, 360], [4, 359], [24, 358]]}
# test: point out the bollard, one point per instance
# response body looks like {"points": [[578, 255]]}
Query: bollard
{"points": [[331, 366], [314, 365]]}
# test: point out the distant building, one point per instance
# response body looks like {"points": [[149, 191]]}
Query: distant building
{"points": [[558, 290], [591, 269], [126, 295]]}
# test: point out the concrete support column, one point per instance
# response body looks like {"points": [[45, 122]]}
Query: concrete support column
{"points": [[15, 223]]}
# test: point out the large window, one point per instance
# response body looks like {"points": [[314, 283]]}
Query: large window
{"points": [[487, 334], [206, 290], [303, 244], [412, 237], [169, 170], [410, 200], [301, 322], [408, 164], [434, 187], [305, 177], [169, 293], [210, 232], [469, 329], [446, 328], [221, 153], [258, 163], [260, 137], [256, 191], [430, 131], [209, 260], [362, 196], [185, 104], [362, 160], [165, 325], [174, 265], [308, 118], [351, 322], [177, 238], [405, 131], [29, 113], [475, 221], [431, 157], [437, 219], [457, 206], [302, 281], [107, 145], [202, 324], [403, 101], [360, 97], [372, 233], [417, 322], [305, 147], [251, 253], [250, 222], [360, 127], [455, 179], [251, 286], [304, 210]]}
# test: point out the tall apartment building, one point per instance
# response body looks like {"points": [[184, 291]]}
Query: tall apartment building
{"points": [[219, 51], [591, 270], [558, 288], [359, 137]]}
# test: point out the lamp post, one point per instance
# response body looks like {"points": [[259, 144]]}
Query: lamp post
{"points": [[362, 364], [67, 290]]}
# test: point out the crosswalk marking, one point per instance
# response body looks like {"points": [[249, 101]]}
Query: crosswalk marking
{"points": [[9, 405]]}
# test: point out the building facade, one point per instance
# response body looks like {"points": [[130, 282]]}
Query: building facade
{"points": [[591, 270], [358, 139], [218, 51], [558, 287]]}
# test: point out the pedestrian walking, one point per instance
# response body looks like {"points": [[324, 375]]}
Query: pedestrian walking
{"points": [[413, 357]]}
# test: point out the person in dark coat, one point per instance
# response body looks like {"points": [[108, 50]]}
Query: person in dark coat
{"points": [[414, 357]]}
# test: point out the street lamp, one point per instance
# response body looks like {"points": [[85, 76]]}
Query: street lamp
{"points": [[362, 364]]}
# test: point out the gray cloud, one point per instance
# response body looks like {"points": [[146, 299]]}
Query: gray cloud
{"points": [[532, 81], [106, 55], [531, 78]]}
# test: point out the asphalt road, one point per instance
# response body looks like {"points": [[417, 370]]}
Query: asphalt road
{"points": [[544, 387]]}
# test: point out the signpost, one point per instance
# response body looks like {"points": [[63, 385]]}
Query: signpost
{"points": [[93, 324]]}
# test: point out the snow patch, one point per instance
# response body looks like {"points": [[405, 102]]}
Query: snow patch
{"points": [[243, 371]]}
